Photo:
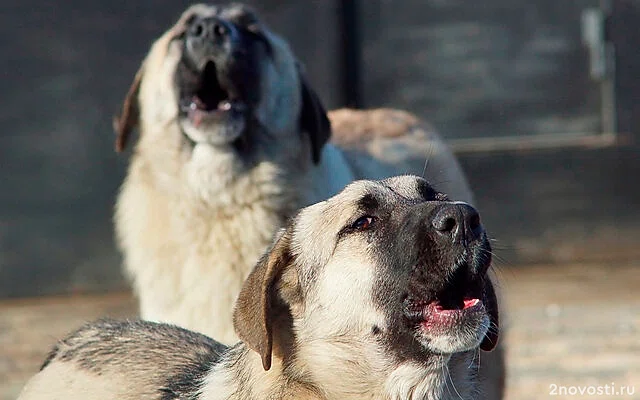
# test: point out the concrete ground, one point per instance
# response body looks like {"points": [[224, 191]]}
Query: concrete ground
{"points": [[572, 329]]}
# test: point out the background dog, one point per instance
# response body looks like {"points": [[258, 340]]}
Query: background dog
{"points": [[379, 292], [233, 141]]}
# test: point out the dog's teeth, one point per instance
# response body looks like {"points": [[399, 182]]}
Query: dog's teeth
{"points": [[225, 106], [197, 104]]}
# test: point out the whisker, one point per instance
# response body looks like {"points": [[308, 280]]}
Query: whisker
{"points": [[499, 258], [493, 328], [476, 353], [453, 385], [426, 162]]}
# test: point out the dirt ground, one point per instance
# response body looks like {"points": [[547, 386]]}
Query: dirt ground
{"points": [[571, 329]]}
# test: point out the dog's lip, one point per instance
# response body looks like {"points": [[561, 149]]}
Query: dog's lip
{"points": [[199, 117], [453, 302], [436, 316], [436, 308]]}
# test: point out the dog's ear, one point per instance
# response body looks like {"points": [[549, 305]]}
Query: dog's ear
{"points": [[129, 116], [313, 118], [490, 340], [254, 311]]}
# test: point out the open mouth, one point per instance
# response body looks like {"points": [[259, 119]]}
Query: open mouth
{"points": [[447, 309], [466, 304], [438, 316], [205, 96]]}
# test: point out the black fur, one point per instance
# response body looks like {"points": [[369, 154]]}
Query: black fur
{"points": [[419, 264]]}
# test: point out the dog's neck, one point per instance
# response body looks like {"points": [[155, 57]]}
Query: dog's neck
{"points": [[445, 378], [240, 375], [283, 187], [175, 225]]}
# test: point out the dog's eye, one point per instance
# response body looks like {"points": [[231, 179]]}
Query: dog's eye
{"points": [[363, 222]]}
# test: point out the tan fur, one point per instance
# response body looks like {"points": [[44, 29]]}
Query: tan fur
{"points": [[351, 127], [192, 223], [304, 314]]}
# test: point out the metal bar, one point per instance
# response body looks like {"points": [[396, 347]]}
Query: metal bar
{"points": [[538, 142]]}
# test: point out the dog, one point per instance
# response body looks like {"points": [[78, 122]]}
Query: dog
{"points": [[233, 141], [380, 292]]}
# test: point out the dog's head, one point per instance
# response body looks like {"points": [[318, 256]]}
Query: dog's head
{"points": [[385, 270], [223, 87]]}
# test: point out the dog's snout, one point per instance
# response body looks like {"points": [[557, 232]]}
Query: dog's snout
{"points": [[210, 29], [460, 221]]}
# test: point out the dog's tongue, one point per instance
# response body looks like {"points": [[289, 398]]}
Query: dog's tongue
{"points": [[451, 307], [470, 303], [196, 111]]}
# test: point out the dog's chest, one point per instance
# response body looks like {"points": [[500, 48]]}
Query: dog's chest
{"points": [[219, 251]]}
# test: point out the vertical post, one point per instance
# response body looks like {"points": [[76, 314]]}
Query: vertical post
{"points": [[595, 36], [351, 56]]}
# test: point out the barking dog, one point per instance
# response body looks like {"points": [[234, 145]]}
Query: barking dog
{"points": [[232, 143], [233, 140], [380, 292]]}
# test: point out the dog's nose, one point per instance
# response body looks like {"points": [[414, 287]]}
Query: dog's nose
{"points": [[460, 221], [211, 29]]}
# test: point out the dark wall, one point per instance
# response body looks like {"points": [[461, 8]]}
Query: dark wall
{"points": [[484, 68], [623, 31], [559, 205]]}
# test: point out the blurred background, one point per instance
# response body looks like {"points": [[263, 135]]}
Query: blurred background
{"points": [[540, 99]]}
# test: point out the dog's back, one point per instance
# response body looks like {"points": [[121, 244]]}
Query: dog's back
{"points": [[125, 360], [382, 142]]}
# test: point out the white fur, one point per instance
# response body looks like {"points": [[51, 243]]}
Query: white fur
{"points": [[460, 341]]}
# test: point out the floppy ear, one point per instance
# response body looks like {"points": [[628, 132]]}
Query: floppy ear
{"points": [[129, 118], [130, 114], [490, 340], [313, 118], [254, 311]]}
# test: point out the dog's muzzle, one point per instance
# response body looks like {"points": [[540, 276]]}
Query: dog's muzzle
{"points": [[218, 79], [450, 257], [211, 38]]}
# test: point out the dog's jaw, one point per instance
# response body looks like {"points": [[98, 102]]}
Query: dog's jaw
{"points": [[213, 130], [448, 328], [463, 338]]}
